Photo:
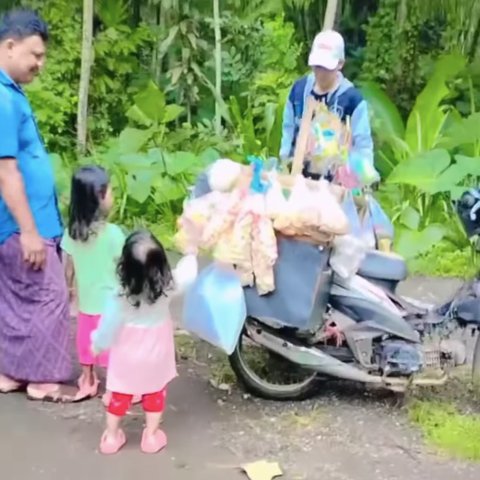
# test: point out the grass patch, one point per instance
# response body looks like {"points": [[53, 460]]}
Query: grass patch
{"points": [[444, 261], [455, 433], [206, 358], [221, 372], [186, 346], [303, 419]]}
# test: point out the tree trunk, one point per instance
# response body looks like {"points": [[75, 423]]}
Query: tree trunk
{"points": [[86, 68], [338, 15], [402, 13], [218, 65], [330, 15]]}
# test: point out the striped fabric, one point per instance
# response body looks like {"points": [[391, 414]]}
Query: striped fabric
{"points": [[34, 317]]}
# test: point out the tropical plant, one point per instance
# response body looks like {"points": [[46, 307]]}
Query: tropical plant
{"points": [[150, 180], [427, 162]]}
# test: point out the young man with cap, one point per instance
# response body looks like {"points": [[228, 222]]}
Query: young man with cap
{"points": [[326, 83]]}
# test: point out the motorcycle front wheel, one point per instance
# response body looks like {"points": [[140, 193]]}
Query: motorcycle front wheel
{"points": [[270, 376]]}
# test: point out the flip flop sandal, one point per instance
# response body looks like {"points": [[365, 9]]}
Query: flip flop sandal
{"points": [[153, 443], [62, 394], [111, 447]]}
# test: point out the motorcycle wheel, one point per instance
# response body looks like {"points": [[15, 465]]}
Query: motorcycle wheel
{"points": [[261, 387], [476, 361]]}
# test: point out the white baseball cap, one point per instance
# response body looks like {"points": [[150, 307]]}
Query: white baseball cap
{"points": [[328, 50]]}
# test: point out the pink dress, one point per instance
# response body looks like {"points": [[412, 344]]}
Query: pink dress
{"points": [[141, 339], [142, 360]]}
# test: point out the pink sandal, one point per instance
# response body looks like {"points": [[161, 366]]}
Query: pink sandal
{"points": [[153, 443], [111, 446]]}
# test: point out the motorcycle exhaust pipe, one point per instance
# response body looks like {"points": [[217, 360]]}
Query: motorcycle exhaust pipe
{"points": [[311, 358]]}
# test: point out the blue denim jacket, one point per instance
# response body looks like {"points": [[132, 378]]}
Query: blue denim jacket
{"points": [[345, 101]]}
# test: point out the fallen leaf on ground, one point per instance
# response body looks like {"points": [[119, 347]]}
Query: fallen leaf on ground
{"points": [[262, 470]]}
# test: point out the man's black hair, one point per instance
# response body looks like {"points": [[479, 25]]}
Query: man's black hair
{"points": [[20, 24]]}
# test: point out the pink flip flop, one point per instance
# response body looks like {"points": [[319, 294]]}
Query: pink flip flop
{"points": [[153, 443], [109, 446]]}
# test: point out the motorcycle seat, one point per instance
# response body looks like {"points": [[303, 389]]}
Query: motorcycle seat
{"points": [[383, 266]]}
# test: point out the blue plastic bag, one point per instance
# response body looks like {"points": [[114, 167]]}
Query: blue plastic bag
{"points": [[214, 307], [382, 225]]}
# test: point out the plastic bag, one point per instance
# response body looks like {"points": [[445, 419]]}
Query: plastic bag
{"points": [[235, 246], [223, 175], [367, 232], [351, 212], [264, 255], [205, 219], [332, 216], [345, 177], [275, 201], [363, 169], [347, 256], [214, 307], [382, 225], [196, 215], [312, 208]]}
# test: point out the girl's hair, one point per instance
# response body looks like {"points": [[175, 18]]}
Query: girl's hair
{"points": [[143, 270], [89, 187]]}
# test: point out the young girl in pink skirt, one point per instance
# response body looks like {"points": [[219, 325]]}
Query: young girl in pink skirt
{"points": [[93, 247], [137, 328]]}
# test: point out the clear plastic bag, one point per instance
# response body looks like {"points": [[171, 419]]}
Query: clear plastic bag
{"points": [[275, 201], [214, 307], [367, 232], [382, 225], [351, 212], [312, 208], [347, 256], [363, 169], [346, 177]]}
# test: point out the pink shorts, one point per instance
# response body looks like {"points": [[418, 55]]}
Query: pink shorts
{"points": [[86, 324]]}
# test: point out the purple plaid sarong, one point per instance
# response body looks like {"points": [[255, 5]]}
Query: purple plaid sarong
{"points": [[34, 316]]}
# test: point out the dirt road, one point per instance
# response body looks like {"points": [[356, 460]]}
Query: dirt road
{"points": [[346, 433]]}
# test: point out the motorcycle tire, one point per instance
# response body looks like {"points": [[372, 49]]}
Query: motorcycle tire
{"points": [[254, 385]]}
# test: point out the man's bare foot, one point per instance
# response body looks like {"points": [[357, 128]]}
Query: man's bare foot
{"points": [[8, 385]]}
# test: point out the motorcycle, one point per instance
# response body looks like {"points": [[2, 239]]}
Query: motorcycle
{"points": [[357, 329]]}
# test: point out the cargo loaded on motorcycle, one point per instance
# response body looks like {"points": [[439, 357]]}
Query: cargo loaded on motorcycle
{"points": [[311, 296]]}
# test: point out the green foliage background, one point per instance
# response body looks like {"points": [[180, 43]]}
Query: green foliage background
{"points": [[152, 101]]}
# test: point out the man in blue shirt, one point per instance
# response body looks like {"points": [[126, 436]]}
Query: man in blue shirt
{"points": [[34, 314], [326, 83]]}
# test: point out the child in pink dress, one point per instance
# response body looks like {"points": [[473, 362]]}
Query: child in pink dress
{"points": [[137, 328], [93, 247]]}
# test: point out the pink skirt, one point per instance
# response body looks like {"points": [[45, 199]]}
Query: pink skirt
{"points": [[142, 360], [86, 324]]}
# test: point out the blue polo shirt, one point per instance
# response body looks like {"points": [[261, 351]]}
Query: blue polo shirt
{"points": [[20, 139]]}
